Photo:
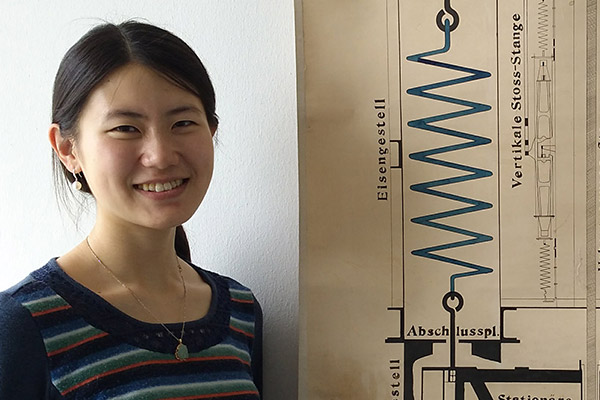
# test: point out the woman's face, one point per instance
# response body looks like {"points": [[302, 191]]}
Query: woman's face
{"points": [[145, 148]]}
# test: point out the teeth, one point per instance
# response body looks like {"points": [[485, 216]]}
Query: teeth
{"points": [[160, 187]]}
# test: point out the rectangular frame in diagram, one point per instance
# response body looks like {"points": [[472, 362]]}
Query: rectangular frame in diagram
{"points": [[445, 200]]}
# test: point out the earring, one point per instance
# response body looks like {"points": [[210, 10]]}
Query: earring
{"points": [[76, 185]]}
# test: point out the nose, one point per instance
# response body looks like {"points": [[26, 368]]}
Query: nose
{"points": [[160, 151]]}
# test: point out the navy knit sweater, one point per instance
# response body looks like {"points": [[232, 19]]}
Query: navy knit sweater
{"points": [[59, 340]]}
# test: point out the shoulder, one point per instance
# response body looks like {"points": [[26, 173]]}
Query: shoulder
{"points": [[225, 279], [245, 317], [235, 290], [19, 305], [23, 362], [22, 302], [243, 304], [15, 318], [12, 304]]}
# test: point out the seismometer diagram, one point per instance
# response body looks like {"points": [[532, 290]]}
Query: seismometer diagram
{"points": [[487, 261]]}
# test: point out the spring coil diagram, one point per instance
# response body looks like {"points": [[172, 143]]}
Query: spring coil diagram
{"points": [[546, 254], [543, 25], [468, 140]]}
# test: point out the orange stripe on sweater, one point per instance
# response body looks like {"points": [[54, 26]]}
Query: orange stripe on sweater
{"points": [[37, 314], [242, 301], [241, 331], [215, 395], [72, 346], [144, 363]]}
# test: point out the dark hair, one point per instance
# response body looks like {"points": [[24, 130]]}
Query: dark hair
{"points": [[103, 50]]}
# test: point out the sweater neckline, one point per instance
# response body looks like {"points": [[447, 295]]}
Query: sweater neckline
{"points": [[96, 311]]}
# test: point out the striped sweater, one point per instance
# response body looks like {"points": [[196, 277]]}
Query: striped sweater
{"points": [[58, 340]]}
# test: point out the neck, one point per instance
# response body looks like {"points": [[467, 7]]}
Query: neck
{"points": [[137, 255]]}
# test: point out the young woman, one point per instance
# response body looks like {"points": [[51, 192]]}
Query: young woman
{"points": [[125, 314]]}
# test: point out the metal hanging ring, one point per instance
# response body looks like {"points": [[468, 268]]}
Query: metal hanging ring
{"points": [[447, 10], [453, 296]]}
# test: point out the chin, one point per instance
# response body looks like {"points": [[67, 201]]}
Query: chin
{"points": [[164, 223]]}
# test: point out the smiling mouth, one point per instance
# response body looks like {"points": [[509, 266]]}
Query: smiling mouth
{"points": [[160, 187]]}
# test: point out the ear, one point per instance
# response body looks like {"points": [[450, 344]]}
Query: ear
{"points": [[64, 148], [213, 130]]}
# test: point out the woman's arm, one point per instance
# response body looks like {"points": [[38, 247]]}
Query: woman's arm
{"points": [[256, 356], [24, 370]]}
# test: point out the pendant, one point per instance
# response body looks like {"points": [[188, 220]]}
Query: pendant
{"points": [[181, 352]]}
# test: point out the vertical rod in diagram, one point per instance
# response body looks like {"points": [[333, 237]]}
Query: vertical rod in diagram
{"points": [[591, 196], [452, 302]]}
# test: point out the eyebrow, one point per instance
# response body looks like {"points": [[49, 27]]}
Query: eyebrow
{"points": [[134, 114], [183, 109]]}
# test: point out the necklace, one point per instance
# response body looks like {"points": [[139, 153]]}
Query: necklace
{"points": [[181, 351]]}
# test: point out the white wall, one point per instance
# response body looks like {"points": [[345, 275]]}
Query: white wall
{"points": [[248, 225]]}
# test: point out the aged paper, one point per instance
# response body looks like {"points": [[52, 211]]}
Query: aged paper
{"points": [[448, 199]]}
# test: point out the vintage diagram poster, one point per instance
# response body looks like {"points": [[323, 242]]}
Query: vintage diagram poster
{"points": [[449, 192]]}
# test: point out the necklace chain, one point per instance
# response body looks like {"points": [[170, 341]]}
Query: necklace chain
{"points": [[181, 352]]}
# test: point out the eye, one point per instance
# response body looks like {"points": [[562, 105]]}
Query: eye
{"points": [[183, 124], [125, 129]]}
